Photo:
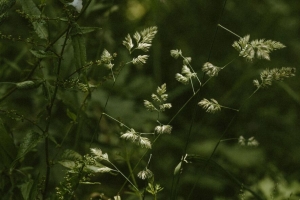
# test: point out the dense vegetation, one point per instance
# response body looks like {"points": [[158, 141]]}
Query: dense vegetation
{"points": [[149, 99]]}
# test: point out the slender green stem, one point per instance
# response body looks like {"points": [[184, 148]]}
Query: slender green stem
{"points": [[149, 160], [112, 73], [229, 108], [121, 124], [124, 176], [192, 85], [229, 139], [182, 107], [130, 168], [219, 25]]}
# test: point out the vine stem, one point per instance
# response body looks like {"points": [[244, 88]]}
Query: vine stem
{"points": [[49, 109]]}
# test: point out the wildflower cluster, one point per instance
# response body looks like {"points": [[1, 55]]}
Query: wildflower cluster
{"points": [[211, 106], [74, 84], [210, 69], [154, 189], [161, 129], [145, 174], [140, 60], [261, 48], [143, 39], [143, 42], [251, 142], [186, 75], [187, 72], [176, 53], [106, 59], [159, 98], [267, 76], [136, 138]]}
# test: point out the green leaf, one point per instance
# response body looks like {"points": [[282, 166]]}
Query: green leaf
{"points": [[68, 164], [29, 142], [47, 90], [26, 189], [83, 30], [40, 29], [71, 115], [78, 44], [70, 155], [177, 168], [42, 54], [30, 8], [97, 169], [8, 149], [29, 189]]}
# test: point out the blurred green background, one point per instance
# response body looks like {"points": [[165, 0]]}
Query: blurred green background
{"points": [[271, 116]]}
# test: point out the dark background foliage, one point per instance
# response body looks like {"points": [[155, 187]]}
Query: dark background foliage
{"points": [[271, 116]]}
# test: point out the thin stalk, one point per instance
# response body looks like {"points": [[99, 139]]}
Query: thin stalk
{"points": [[229, 108], [219, 25], [49, 109], [121, 124], [182, 107], [124, 176], [130, 168], [192, 85], [229, 139]]}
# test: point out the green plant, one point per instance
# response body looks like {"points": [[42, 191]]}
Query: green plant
{"points": [[49, 128]]}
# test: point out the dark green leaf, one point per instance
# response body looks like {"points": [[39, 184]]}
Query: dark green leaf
{"points": [[29, 189], [30, 8], [8, 150], [83, 30], [70, 155], [78, 44], [26, 189], [42, 54], [71, 115], [79, 50], [29, 142], [68, 164], [5, 5]]}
